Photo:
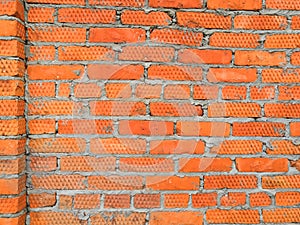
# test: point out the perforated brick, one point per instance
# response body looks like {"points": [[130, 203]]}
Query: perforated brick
{"points": [[13, 166], [12, 48], [288, 181], [41, 126], [205, 92], [172, 183], [117, 201], [233, 199], [282, 215], [86, 201], [89, 90], [196, 56], [230, 182], [43, 164], [12, 87], [115, 182], [39, 15], [289, 93], [232, 216], [234, 92], [12, 68], [163, 147], [259, 129], [85, 126], [176, 200], [287, 4], [282, 41], [204, 200], [42, 200], [48, 217], [236, 147], [12, 127], [260, 22], [234, 40], [12, 205], [132, 3], [260, 199], [148, 91], [184, 217], [41, 53], [205, 165], [262, 93], [110, 218], [54, 108], [146, 164], [147, 201], [118, 90], [280, 76], [143, 18], [71, 53]]}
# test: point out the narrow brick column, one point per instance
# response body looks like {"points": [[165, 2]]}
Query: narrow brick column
{"points": [[12, 106]]}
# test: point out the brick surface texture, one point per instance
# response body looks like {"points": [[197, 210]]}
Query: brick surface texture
{"points": [[149, 112]]}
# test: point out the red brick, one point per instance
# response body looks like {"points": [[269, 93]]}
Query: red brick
{"points": [[167, 218], [12, 146], [287, 4], [259, 129], [175, 4], [176, 147], [64, 90], [147, 201], [115, 182], [117, 201], [176, 201], [80, 15], [12, 166], [234, 40], [282, 41], [192, 56], [279, 110], [41, 126], [295, 58], [56, 34], [147, 54], [12, 28], [12, 48], [205, 165], [214, 129], [143, 18], [233, 199], [295, 129], [13, 8], [41, 53], [41, 15], [12, 186], [283, 147], [238, 147], [12, 127], [53, 108], [260, 199], [295, 23], [283, 215], [12, 107], [234, 92], [234, 109], [12, 87], [42, 89], [148, 91], [172, 183], [204, 200], [230, 182], [235, 4], [15, 220], [165, 72], [232, 216], [175, 109], [67, 2], [117, 108], [259, 58], [42, 200], [79, 53], [44, 164], [172, 36], [117, 35], [51, 217], [205, 92], [12, 68], [89, 90], [81, 126], [261, 165], [12, 204], [262, 93], [287, 198], [143, 127], [233, 75], [118, 90], [146, 164], [131, 3], [260, 22], [115, 72], [87, 201], [280, 76], [284, 181], [111, 218]]}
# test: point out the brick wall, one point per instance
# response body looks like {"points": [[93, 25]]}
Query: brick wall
{"points": [[149, 112]]}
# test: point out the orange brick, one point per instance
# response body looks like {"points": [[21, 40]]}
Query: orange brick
{"points": [[148, 91], [295, 23], [68, 2], [89, 90], [117, 146], [117, 35], [234, 109], [85, 201], [143, 18], [57, 145], [78, 53], [233, 75], [143, 127], [132, 3], [164, 72], [65, 202], [289, 215], [234, 92], [146, 164], [282, 41], [147, 201], [12, 127], [166, 218], [172, 36], [12, 48], [177, 92], [55, 72], [238, 147], [12, 186], [233, 199], [295, 129], [230, 182], [234, 40], [15, 220], [12, 88], [283, 147], [12, 107], [56, 34], [280, 110], [42, 89], [50, 217], [205, 92], [115, 182], [175, 4], [109, 218], [205, 165], [176, 147], [12, 28], [44, 164], [12, 68], [259, 58], [289, 93], [260, 199], [259, 129], [147, 54], [12, 146], [53, 108], [280, 76], [261, 165], [80, 15], [12, 205], [12, 166], [41, 53], [235, 4], [172, 183], [64, 90], [58, 182], [117, 201], [41, 126], [262, 93], [174, 109], [192, 56], [213, 129], [115, 72], [13, 8], [260, 22], [287, 4], [204, 200], [284, 181], [203, 20], [118, 90], [232, 216], [81, 126], [42, 200], [287, 198], [295, 58], [41, 15], [176, 200]]}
